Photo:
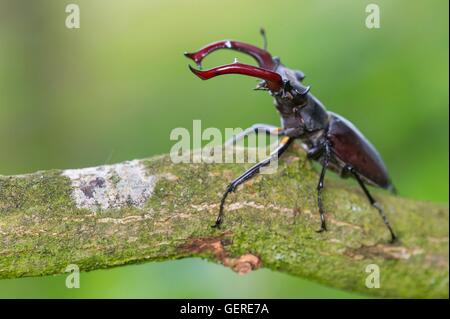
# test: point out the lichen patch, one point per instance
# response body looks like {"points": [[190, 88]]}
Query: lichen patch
{"points": [[111, 186]]}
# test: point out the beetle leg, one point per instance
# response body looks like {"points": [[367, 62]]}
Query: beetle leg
{"points": [[263, 57], [323, 226], [268, 129], [374, 203], [392, 189], [284, 144], [273, 80], [315, 152]]}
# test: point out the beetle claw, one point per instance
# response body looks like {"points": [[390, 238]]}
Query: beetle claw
{"points": [[189, 55], [197, 72], [193, 57]]}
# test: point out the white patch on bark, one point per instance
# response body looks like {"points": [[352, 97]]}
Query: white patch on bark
{"points": [[111, 186]]}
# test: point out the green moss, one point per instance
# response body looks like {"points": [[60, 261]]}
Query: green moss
{"points": [[41, 189]]}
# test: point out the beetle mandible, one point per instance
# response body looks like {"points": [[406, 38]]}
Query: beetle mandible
{"points": [[328, 138]]}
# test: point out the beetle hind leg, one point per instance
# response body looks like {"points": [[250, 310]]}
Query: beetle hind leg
{"points": [[374, 203], [320, 185]]}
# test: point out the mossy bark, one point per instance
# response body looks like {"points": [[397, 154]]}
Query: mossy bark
{"points": [[270, 222]]}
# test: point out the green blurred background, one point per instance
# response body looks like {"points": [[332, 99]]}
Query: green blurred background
{"points": [[115, 88]]}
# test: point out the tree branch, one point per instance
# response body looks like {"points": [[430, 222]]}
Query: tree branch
{"points": [[154, 209]]}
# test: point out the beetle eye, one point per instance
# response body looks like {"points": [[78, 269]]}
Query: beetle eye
{"points": [[299, 75], [261, 86]]}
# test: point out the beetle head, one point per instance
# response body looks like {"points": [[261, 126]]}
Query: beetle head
{"points": [[293, 89]]}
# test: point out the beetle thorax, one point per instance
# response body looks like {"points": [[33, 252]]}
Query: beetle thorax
{"points": [[304, 116]]}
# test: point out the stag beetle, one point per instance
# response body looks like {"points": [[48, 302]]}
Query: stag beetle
{"points": [[328, 138]]}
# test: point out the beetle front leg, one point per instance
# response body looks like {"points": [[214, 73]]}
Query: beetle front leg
{"points": [[284, 144], [265, 128], [315, 152]]}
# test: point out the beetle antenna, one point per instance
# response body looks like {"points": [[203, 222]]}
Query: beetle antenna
{"points": [[263, 34]]}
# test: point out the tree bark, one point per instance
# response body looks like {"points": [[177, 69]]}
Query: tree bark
{"points": [[155, 210]]}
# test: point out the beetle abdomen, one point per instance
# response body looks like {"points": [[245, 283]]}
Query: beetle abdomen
{"points": [[352, 148]]}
